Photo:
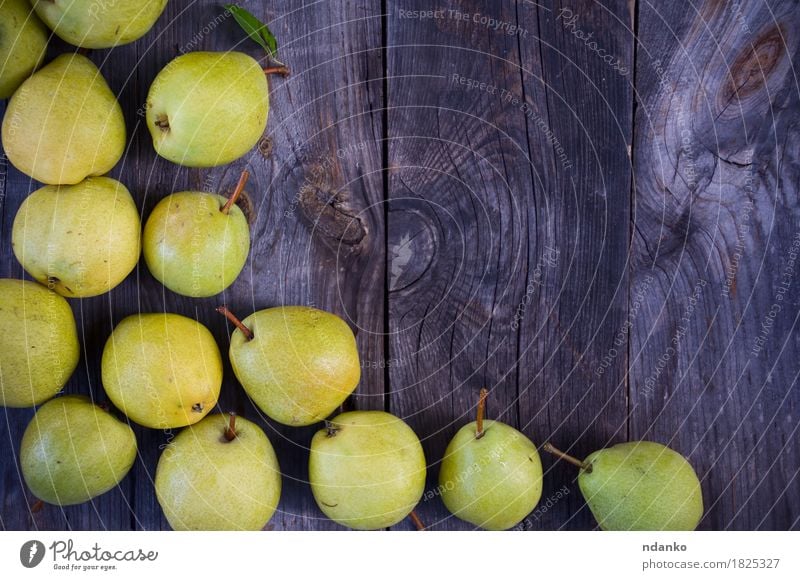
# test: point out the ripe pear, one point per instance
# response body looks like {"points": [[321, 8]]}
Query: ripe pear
{"points": [[639, 486], [64, 124], [73, 450], [491, 474], [79, 240], [23, 42], [162, 370], [207, 108], [196, 243], [298, 364], [219, 475], [366, 469], [99, 24], [38, 343]]}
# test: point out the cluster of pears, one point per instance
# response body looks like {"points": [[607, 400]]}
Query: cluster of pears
{"points": [[64, 127]]}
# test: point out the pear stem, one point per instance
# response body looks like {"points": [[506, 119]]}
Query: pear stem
{"points": [[417, 522], [236, 192], [37, 506], [568, 458], [481, 412], [331, 429], [230, 432], [236, 322], [279, 70]]}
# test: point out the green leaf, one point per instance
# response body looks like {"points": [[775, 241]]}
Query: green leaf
{"points": [[255, 29]]}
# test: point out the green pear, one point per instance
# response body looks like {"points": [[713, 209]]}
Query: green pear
{"points": [[639, 486], [298, 364], [39, 347], [79, 240], [491, 474], [99, 23], [219, 475], [23, 42], [73, 451], [64, 124], [162, 370], [366, 469], [207, 108], [196, 243]]}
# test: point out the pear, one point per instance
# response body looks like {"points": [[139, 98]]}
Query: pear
{"points": [[219, 475], [73, 450], [207, 108], [23, 42], [639, 486], [298, 364], [97, 23], [196, 243], [79, 240], [162, 370], [491, 474], [38, 343], [64, 124], [366, 469]]}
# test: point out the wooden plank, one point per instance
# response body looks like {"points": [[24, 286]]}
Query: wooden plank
{"points": [[714, 349], [482, 193], [578, 83]]}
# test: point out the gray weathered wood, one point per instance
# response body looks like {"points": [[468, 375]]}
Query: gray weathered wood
{"points": [[714, 365]]}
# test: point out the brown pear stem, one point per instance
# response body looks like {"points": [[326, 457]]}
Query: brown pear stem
{"points": [[230, 432], [481, 412], [568, 458], [331, 429], [236, 322], [417, 522], [236, 192], [277, 70], [37, 506]]}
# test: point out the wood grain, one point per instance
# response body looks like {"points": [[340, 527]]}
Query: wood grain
{"points": [[714, 362]]}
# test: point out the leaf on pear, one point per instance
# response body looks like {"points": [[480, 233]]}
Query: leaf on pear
{"points": [[255, 29]]}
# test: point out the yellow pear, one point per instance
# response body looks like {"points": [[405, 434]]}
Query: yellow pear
{"points": [[366, 469], [208, 108], [162, 370], [23, 41], [64, 124], [298, 364], [79, 240], [220, 474], [73, 451], [491, 474], [38, 343], [100, 23], [196, 243]]}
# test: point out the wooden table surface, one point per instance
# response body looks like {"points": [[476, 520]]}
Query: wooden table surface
{"points": [[590, 208]]}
